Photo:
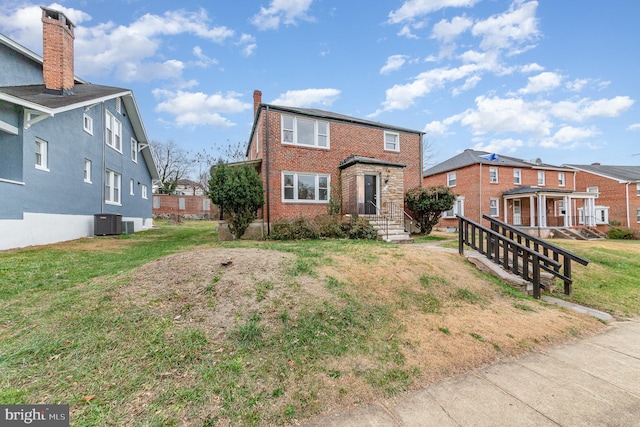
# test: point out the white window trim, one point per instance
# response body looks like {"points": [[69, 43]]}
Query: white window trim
{"points": [[295, 187], [490, 180], [517, 174], [87, 123], [458, 209], [87, 171], [145, 191], [542, 182], [596, 192], [455, 179], [132, 185], [497, 206], [44, 155], [561, 179], [295, 132], [397, 135], [115, 126], [113, 180], [134, 150]]}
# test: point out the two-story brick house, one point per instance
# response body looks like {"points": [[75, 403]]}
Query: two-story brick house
{"points": [[69, 150], [531, 195], [617, 190], [308, 157]]}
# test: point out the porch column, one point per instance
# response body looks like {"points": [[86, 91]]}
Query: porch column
{"points": [[567, 210], [532, 212], [504, 210], [542, 221]]}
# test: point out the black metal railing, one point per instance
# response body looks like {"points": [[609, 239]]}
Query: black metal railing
{"points": [[380, 218], [397, 213], [547, 249], [511, 255]]}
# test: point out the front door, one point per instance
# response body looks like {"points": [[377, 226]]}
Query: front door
{"points": [[370, 194], [517, 213]]}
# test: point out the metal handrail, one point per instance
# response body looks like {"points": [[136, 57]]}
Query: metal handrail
{"points": [[535, 243], [495, 241], [383, 217], [394, 213]]}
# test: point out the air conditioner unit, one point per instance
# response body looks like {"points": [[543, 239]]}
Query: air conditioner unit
{"points": [[107, 224]]}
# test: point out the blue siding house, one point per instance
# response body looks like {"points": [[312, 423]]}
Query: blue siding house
{"points": [[69, 150]]}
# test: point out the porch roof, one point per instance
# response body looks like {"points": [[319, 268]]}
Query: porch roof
{"points": [[534, 191], [352, 160]]}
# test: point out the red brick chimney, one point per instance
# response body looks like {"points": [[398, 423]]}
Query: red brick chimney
{"points": [[57, 47], [257, 100]]}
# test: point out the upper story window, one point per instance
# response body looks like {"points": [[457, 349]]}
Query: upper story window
{"points": [[87, 171], [638, 189], [145, 191], [561, 180], [87, 124], [493, 175], [541, 178], [451, 179], [42, 155], [134, 150], [131, 186], [112, 187], [494, 207], [594, 190], [299, 131], [517, 176], [391, 141], [114, 132], [305, 187]]}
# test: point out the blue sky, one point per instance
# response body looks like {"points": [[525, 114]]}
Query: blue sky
{"points": [[556, 80]]}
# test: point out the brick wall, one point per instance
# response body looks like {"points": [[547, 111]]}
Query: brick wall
{"points": [[346, 139], [614, 195], [190, 207], [472, 182]]}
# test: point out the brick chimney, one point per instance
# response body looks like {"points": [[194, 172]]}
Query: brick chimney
{"points": [[257, 100], [57, 57]]}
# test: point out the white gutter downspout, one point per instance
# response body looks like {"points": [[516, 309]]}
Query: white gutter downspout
{"points": [[628, 213]]}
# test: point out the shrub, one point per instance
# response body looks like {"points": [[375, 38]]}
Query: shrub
{"points": [[322, 226], [620, 233], [428, 203]]}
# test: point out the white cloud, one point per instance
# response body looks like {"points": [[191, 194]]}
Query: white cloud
{"points": [[510, 29], [412, 9], [531, 68], [635, 126], [447, 31], [585, 109], [508, 145], [543, 82], [469, 84], [281, 12], [203, 60], [307, 97], [248, 44], [197, 108], [569, 137], [394, 63], [436, 128]]}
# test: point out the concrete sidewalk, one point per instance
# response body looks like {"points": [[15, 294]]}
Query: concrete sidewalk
{"points": [[591, 382]]}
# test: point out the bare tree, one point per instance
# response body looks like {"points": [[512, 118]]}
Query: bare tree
{"points": [[428, 153], [235, 152], [173, 164], [203, 161]]}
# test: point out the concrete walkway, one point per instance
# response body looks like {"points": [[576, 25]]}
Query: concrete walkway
{"points": [[591, 382]]}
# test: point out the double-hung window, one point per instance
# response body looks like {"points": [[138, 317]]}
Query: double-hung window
{"points": [[112, 187], [391, 141], [87, 124], [87, 171], [517, 176], [306, 132], [113, 132], [134, 150], [458, 209], [493, 175], [494, 207], [305, 187], [541, 178], [42, 154], [145, 193], [131, 186], [561, 180], [451, 179]]}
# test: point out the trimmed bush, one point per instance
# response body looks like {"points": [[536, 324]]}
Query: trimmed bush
{"points": [[322, 227], [620, 233]]}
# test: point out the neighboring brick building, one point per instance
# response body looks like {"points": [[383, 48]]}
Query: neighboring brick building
{"points": [[532, 195], [188, 207], [307, 157], [617, 190]]}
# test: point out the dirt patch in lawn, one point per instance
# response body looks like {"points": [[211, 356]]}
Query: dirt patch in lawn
{"points": [[447, 318]]}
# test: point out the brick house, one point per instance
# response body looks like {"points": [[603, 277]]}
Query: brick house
{"points": [[617, 190], [308, 158], [533, 195]]}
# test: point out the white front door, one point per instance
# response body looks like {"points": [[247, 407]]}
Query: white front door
{"points": [[517, 213]]}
